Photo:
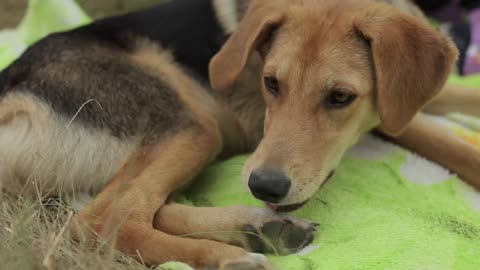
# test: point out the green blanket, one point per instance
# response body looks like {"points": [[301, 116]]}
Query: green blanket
{"points": [[386, 209]]}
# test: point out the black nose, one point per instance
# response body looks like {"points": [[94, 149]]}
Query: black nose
{"points": [[269, 186]]}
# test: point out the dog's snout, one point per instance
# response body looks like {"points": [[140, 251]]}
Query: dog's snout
{"points": [[269, 186]]}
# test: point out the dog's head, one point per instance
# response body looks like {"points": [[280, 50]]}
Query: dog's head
{"points": [[333, 70]]}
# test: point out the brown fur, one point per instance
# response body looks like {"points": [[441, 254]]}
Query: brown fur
{"points": [[403, 85], [435, 142], [201, 104], [7, 119]]}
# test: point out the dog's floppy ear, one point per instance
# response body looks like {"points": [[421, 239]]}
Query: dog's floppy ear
{"points": [[262, 17], [412, 62]]}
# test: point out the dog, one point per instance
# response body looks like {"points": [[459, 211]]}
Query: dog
{"points": [[124, 105]]}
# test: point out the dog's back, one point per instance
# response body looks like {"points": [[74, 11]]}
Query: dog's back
{"points": [[84, 101]]}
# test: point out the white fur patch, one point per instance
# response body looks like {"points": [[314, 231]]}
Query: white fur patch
{"points": [[42, 153], [372, 148], [422, 171], [308, 249], [226, 11], [475, 199], [80, 201]]}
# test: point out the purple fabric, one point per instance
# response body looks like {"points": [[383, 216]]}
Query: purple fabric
{"points": [[475, 22], [472, 63]]}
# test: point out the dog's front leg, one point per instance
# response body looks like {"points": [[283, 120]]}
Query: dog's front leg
{"points": [[258, 230], [455, 99], [123, 213], [437, 143]]}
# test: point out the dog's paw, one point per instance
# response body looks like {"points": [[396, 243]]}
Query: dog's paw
{"points": [[251, 262], [279, 234]]}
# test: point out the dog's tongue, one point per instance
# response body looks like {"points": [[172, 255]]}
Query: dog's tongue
{"points": [[272, 206]]}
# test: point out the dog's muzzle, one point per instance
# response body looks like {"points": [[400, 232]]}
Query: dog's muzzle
{"points": [[268, 185], [296, 206], [286, 208]]}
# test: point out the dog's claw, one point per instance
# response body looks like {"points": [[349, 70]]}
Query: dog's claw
{"points": [[281, 235]]}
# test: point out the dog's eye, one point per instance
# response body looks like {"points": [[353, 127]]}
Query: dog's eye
{"points": [[271, 83], [340, 99]]}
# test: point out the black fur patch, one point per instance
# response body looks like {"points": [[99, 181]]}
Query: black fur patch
{"points": [[187, 27], [67, 70]]}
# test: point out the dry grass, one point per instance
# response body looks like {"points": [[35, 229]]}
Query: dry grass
{"points": [[33, 236]]}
